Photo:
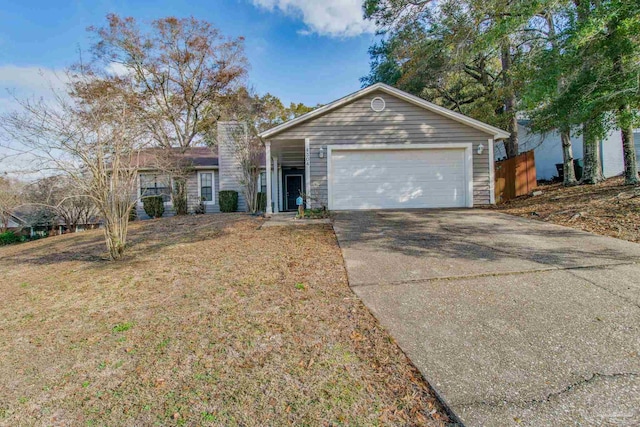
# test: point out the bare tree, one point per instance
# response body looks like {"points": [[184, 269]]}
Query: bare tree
{"points": [[11, 198], [89, 133], [247, 150], [60, 197], [182, 68], [249, 115]]}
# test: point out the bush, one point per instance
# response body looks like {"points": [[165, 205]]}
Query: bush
{"points": [[133, 213], [8, 237], [153, 206], [200, 209], [228, 200], [262, 202]]}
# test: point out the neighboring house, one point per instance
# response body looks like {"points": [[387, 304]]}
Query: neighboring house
{"points": [[16, 223], [548, 151], [29, 221], [381, 148], [378, 148]]}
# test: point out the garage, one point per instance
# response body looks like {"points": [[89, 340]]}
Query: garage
{"points": [[382, 148], [388, 177]]}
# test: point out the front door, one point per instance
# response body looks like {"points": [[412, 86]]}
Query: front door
{"points": [[293, 190]]}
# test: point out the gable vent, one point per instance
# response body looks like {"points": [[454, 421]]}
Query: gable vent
{"points": [[377, 104]]}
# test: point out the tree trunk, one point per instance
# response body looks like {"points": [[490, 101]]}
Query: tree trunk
{"points": [[179, 196], [115, 233], [511, 144], [624, 120], [630, 161], [592, 172], [568, 169], [567, 156]]}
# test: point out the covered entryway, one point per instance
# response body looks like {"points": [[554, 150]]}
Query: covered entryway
{"points": [[287, 174], [392, 177]]}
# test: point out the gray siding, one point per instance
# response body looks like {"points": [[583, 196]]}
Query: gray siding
{"points": [[230, 171], [399, 123], [192, 192], [192, 196]]}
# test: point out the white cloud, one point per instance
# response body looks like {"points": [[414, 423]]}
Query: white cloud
{"points": [[29, 79], [117, 69], [334, 18]]}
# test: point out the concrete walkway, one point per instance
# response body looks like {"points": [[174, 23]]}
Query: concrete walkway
{"points": [[512, 321]]}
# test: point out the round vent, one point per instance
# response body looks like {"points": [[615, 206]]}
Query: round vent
{"points": [[377, 104]]}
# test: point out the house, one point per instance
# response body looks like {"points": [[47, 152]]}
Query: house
{"points": [[205, 169], [16, 224], [381, 148], [378, 148], [548, 151]]}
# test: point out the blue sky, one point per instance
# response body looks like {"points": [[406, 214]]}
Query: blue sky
{"points": [[310, 51]]}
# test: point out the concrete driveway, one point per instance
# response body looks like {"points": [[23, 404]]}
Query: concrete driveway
{"points": [[512, 321]]}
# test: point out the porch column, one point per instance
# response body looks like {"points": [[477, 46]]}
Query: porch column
{"points": [[307, 173], [277, 194], [268, 170], [279, 187]]}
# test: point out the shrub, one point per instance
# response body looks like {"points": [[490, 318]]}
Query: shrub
{"points": [[8, 237], [316, 213], [153, 206], [200, 209], [262, 202], [133, 214], [228, 200]]}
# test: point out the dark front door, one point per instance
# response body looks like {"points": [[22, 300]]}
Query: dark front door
{"points": [[293, 188]]}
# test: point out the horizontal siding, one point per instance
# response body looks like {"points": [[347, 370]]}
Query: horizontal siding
{"points": [[399, 123], [192, 197], [229, 166]]}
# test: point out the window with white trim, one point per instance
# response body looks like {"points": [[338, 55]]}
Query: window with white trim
{"points": [[155, 185], [206, 187]]}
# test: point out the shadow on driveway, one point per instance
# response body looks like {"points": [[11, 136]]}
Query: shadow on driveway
{"points": [[513, 321]]}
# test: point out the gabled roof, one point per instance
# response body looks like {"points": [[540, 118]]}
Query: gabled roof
{"points": [[152, 158], [461, 118]]}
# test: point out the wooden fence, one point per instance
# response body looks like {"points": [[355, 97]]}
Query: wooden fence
{"points": [[515, 177]]}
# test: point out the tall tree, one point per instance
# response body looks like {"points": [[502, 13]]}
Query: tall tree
{"points": [[88, 133], [461, 54], [613, 30], [182, 70]]}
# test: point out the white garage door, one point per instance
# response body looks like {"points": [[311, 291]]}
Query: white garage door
{"points": [[398, 178]]}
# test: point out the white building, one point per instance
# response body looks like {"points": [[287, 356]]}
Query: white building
{"points": [[548, 151]]}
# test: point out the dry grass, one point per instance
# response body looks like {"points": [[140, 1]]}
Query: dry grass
{"points": [[209, 321], [610, 208]]}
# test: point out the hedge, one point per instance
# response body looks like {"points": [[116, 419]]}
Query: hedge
{"points": [[153, 206], [8, 237], [228, 200]]}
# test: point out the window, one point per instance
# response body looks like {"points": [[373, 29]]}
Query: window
{"points": [[263, 182], [206, 186], [155, 185]]}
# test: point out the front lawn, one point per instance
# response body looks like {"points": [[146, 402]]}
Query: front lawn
{"points": [[209, 321]]}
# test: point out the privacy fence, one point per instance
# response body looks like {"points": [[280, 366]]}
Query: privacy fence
{"points": [[515, 177]]}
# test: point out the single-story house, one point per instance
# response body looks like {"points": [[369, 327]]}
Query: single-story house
{"points": [[378, 148], [547, 150], [205, 168], [381, 148], [16, 223]]}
